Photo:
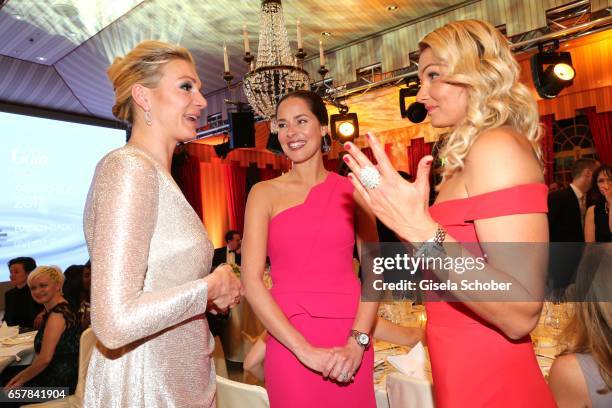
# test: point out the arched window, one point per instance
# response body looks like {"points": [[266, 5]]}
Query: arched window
{"points": [[572, 141]]}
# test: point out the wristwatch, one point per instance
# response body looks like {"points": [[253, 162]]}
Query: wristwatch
{"points": [[363, 339]]}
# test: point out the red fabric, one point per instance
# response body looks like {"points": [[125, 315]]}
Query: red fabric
{"points": [[236, 194], [601, 129], [370, 154], [416, 151], [186, 173], [548, 150], [268, 173], [331, 164], [473, 363]]}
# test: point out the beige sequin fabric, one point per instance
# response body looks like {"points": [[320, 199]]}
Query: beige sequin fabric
{"points": [[148, 252]]}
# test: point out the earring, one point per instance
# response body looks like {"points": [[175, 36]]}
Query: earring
{"points": [[148, 119], [325, 144]]}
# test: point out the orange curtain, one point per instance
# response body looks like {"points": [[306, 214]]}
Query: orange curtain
{"points": [[214, 200]]}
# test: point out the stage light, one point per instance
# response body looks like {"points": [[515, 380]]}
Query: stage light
{"points": [[552, 72], [415, 112], [344, 126]]}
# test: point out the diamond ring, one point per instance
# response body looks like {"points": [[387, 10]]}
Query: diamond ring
{"points": [[369, 177], [343, 377]]}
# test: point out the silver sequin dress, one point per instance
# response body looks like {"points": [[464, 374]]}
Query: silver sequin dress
{"points": [[148, 253]]}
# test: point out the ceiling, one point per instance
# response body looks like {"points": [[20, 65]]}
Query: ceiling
{"points": [[54, 53]]}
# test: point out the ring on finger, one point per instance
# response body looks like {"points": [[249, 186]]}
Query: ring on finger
{"points": [[369, 177]]}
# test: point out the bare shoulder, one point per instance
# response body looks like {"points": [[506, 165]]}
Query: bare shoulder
{"points": [[500, 158], [264, 193], [266, 189], [590, 211], [55, 321], [566, 380]]}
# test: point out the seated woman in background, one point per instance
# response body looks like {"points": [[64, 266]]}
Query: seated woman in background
{"points": [[56, 363], [84, 306], [73, 286], [597, 222], [582, 375], [383, 330]]}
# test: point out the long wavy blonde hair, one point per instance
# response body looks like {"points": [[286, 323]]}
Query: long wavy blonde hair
{"points": [[478, 57]]}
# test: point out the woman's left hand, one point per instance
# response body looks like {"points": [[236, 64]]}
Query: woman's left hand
{"points": [[399, 204], [344, 362]]}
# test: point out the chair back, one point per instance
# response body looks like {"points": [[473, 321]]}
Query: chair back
{"points": [[88, 340], [233, 394]]}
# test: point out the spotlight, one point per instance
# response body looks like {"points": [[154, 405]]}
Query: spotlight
{"points": [[273, 144], [552, 71], [416, 112], [344, 126]]}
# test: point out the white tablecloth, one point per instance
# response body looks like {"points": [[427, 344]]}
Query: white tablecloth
{"points": [[17, 354]]}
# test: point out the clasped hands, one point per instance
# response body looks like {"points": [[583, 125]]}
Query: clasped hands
{"points": [[338, 363], [224, 290]]}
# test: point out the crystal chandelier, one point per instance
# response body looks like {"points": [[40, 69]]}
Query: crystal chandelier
{"points": [[276, 71]]}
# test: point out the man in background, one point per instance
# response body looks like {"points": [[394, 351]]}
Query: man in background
{"points": [[566, 210], [230, 253]]}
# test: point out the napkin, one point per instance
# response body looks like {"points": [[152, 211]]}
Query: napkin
{"points": [[413, 364], [21, 339], [6, 331]]}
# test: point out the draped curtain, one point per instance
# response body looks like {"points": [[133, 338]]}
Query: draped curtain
{"points": [[416, 151], [548, 152], [235, 176], [601, 129], [186, 173], [268, 173]]}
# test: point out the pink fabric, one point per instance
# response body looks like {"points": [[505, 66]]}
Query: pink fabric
{"points": [[474, 364], [548, 148], [310, 247], [601, 129]]}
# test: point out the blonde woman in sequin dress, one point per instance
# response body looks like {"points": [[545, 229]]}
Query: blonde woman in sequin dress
{"points": [[150, 255]]}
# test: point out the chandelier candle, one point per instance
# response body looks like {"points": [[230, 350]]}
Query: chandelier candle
{"points": [[225, 59], [245, 34], [321, 53], [299, 36]]}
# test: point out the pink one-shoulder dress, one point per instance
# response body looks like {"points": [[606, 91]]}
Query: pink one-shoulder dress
{"points": [[310, 247]]}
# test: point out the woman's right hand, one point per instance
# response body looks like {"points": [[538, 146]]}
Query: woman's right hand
{"points": [[314, 358], [224, 289]]}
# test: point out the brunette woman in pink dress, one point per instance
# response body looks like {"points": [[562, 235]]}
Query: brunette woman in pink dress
{"points": [[318, 352], [491, 191]]}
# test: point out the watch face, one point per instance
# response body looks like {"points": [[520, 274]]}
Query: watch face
{"points": [[363, 339]]}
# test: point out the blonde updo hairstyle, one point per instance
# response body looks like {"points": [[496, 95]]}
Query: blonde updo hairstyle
{"points": [[141, 66], [478, 58], [53, 272]]}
